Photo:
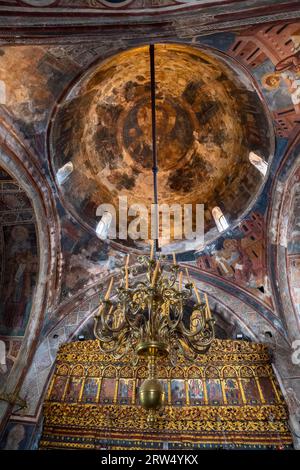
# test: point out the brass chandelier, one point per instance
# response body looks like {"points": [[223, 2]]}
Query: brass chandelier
{"points": [[148, 316]]}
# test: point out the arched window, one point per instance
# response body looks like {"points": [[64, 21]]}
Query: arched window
{"points": [[2, 92], [103, 226], [220, 219], [64, 172], [258, 162], [3, 366]]}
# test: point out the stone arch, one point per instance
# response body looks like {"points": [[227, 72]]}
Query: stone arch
{"points": [[19, 162], [284, 238]]}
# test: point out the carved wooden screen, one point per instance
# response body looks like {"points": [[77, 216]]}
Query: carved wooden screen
{"points": [[230, 399]]}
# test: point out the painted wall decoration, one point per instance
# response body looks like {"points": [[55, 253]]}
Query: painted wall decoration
{"points": [[245, 391], [240, 258], [271, 52], [109, 144], [10, 349], [293, 241], [123, 6], [21, 262], [19, 257], [31, 80], [17, 436], [86, 260]]}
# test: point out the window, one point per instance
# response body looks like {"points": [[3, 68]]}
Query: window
{"points": [[64, 172], [220, 219], [103, 226], [2, 92], [3, 366], [258, 162]]}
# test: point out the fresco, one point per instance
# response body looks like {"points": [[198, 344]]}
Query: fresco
{"points": [[32, 77], [18, 257], [17, 436], [86, 260], [285, 77], [125, 6], [294, 279], [21, 262], [206, 128], [293, 243], [240, 258], [9, 350], [271, 53]]}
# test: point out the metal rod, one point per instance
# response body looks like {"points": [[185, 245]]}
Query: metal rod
{"points": [[154, 151]]}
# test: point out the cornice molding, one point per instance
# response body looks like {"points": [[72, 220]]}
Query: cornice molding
{"points": [[70, 27]]}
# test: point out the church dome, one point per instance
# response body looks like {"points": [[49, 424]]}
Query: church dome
{"points": [[209, 118]]}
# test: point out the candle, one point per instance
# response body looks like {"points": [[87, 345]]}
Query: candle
{"points": [[207, 308], [126, 271], [110, 310], [197, 293], [152, 249], [155, 274], [174, 259], [187, 275], [180, 281], [109, 289], [100, 310]]}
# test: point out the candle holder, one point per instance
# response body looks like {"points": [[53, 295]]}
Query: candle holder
{"points": [[147, 317]]}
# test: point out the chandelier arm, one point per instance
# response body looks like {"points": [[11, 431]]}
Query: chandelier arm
{"points": [[198, 330], [105, 316], [116, 343], [103, 330], [174, 324], [135, 320], [201, 330], [196, 348], [104, 335]]}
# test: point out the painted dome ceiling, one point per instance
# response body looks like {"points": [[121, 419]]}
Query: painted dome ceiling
{"points": [[209, 117]]}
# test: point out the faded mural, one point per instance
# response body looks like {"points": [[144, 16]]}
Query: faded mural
{"points": [[19, 263], [207, 123]]}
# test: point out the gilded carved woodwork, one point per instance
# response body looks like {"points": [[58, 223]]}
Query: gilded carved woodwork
{"points": [[230, 397]]}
